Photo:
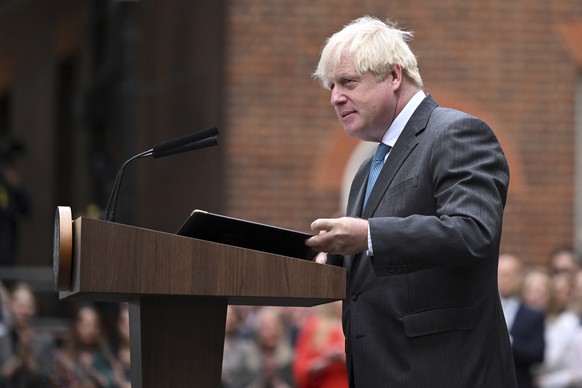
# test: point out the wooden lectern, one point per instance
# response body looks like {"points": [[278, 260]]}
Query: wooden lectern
{"points": [[178, 289]]}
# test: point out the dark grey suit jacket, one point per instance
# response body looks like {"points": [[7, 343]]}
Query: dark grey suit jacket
{"points": [[424, 311]]}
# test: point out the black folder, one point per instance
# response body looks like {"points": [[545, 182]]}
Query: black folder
{"points": [[247, 234]]}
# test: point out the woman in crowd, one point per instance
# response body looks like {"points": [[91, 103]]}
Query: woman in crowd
{"points": [[320, 359], [562, 365], [122, 345], [24, 352], [275, 351], [240, 363], [85, 360]]}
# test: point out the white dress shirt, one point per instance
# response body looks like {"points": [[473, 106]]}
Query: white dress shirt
{"points": [[392, 135]]}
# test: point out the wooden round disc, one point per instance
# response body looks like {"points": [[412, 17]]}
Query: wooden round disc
{"points": [[63, 248]]}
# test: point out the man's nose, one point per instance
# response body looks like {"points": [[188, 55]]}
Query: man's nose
{"points": [[337, 96]]}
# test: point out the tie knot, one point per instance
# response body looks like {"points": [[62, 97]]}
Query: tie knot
{"points": [[381, 152]]}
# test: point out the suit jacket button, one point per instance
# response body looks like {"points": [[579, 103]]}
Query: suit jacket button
{"points": [[355, 295]]}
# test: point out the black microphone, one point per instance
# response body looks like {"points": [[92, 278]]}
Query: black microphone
{"points": [[209, 142], [165, 148], [197, 140]]}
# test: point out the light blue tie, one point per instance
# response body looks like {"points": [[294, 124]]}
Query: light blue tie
{"points": [[376, 167]]}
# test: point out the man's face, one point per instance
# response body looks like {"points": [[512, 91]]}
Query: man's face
{"points": [[365, 106], [509, 277]]}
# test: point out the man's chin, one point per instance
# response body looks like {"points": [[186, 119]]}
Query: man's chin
{"points": [[357, 133], [363, 133], [353, 132]]}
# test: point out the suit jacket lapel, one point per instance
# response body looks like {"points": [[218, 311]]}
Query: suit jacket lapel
{"points": [[407, 141], [360, 180]]}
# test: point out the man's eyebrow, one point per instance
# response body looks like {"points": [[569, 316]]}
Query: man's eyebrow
{"points": [[344, 75]]}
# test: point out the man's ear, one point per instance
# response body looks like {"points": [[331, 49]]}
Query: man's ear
{"points": [[396, 73]]}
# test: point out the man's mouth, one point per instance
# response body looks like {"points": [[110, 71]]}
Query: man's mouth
{"points": [[346, 113]]}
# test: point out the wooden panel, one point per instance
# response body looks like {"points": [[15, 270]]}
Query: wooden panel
{"points": [[177, 341]]}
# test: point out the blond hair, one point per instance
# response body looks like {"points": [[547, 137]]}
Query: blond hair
{"points": [[374, 46]]}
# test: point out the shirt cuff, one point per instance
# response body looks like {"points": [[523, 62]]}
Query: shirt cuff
{"points": [[370, 251]]}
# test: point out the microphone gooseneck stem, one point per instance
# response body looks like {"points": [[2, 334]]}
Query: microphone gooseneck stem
{"points": [[109, 214]]}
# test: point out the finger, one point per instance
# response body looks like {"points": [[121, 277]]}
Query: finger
{"points": [[322, 224], [314, 242], [321, 258]]}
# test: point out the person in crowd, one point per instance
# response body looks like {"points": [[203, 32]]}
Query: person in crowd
{"points": [[421, 242], [535, 291], [275, 351], [562, 366], [241, 361], [25, 353], [564, 261], [576, 302], [525, 324], [4, 314], [122, 345], [293, 319], [320, 360], [15, 200], [86, 360], [248, 317]]}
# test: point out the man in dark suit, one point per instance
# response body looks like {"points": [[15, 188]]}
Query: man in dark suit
{"points": [[526, 325], [421, 249]]}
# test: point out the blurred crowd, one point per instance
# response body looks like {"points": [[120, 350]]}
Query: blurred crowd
{"points": [[82, 355], [543, 310], [282, 347], [290, 346], [264, 346]]}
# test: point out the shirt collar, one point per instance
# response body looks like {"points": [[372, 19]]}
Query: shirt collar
{"points": [[400, 121]]}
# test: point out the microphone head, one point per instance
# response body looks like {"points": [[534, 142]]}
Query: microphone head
{"points": [[164, 149], [204, 143]]}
